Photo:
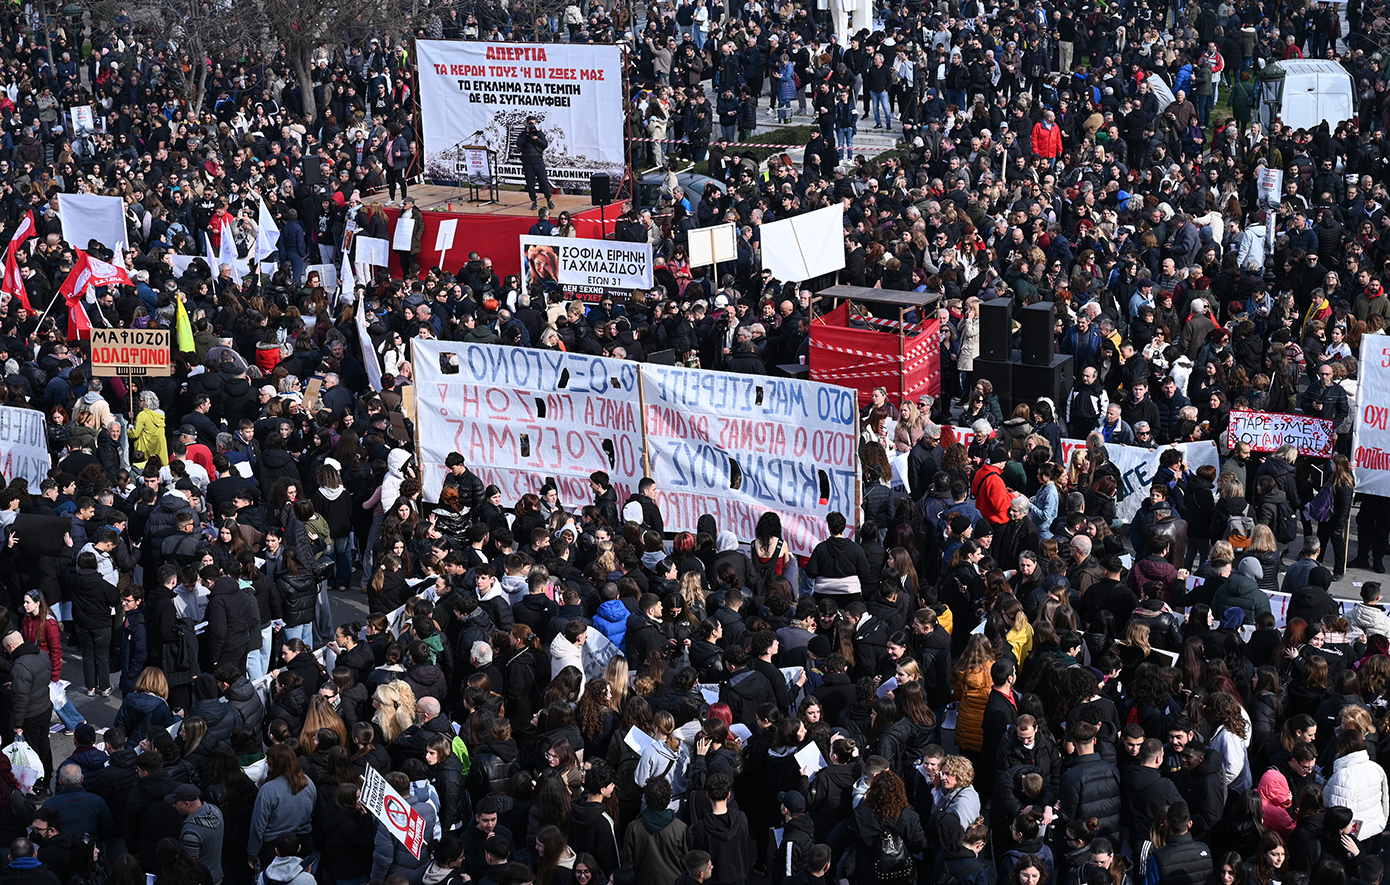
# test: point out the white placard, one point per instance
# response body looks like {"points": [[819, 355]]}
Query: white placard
{"points": [[328, 275], [395, 814], [805, 246], [1370, 447], [83, 123], [405, 230], [444, 237], [23, 445], [85, 217], [711, 244], [374, 251]]}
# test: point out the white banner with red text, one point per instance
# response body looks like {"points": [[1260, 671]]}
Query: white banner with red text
{"points": [[1267, 431], [1370, 432]]}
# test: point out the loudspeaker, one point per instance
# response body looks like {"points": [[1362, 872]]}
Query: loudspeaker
{"points": [[600, 189], [996, 330], [1036, 321], [313, 171], [1000, 373], [1053, 381]]}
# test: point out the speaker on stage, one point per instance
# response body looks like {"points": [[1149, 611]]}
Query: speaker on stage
{"points": [[1053, 381], [1036, 321], [313, 171], [600, 189], [996, 330], [1000, 373]]}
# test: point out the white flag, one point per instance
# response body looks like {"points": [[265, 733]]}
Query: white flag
{"points": [[364, 337], [268, 237], [227, 253]]}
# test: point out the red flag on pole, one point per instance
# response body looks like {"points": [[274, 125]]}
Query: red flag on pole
{"points": [[13, 283]]}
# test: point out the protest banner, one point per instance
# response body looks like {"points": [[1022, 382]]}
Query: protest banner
{"points": [[738, 446], [585, 269], [1267, 431], [476, 94], [23, 445], [1137, 465], [521, 416], [130, 352], [395, 814], [1370, 432]]}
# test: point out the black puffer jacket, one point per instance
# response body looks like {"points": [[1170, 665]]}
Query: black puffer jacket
{"points": [[1091, 788], [92, 597], [492, 765], [231, 623], [448, 782], [298, 594]]}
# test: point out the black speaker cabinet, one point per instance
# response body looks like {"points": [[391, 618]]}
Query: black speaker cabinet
{"points": [[1053, 381], [600, 189], [313, 171], [1036, 321], [996, 330], [1000, 373]]}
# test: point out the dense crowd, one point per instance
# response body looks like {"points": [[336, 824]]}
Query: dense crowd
{"points": [[986, 676]]}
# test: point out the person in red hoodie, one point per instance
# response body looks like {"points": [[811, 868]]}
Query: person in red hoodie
{"points": [[992, 496], [1047, 138]]}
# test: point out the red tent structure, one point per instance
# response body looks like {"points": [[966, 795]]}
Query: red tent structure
{"points": [[853, 348]]}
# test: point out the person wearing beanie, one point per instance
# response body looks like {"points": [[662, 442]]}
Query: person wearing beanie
{"points": [[1240, 589], [1312, 602]]}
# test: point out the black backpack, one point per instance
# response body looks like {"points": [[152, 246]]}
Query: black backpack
{"points": [[1285, 524], [892, 859]]}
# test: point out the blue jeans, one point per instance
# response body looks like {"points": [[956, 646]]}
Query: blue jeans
{"points": [[844, 140], [1204, 108], [699, 35], [881, 98], [730, 133], [301, 631], [342, 555], [258, 660]]}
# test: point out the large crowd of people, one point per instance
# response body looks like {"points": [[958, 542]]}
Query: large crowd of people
{"points": [[986, 676]]}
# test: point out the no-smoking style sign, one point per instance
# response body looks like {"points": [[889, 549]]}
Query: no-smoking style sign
{"points": [[389, 807]]}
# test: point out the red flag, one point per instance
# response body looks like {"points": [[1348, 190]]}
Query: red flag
{"points": [[78, 324], [78, 279], [13, 283], [23, 233]]}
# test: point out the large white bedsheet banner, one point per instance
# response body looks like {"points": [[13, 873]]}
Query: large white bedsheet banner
{"points": [[738, 446], [478, 94], [1370, 448], [805, 246], [23, 445], [87, 217], [520, 416]]}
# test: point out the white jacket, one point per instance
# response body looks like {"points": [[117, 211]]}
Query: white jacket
{"points": [[1360, 784], [1370, 619], [1251, 253], [564, 653]]}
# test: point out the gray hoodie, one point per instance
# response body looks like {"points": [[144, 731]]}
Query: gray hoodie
{"points": [[201, 837], [287, 871]]}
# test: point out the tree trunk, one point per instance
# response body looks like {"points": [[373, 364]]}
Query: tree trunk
{"points": [[301, 57]]}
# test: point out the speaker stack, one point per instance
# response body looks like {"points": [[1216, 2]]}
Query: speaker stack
{"points": [[600, 189], [1041, 372], [997, 355]]}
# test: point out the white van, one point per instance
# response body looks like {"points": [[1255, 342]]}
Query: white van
{"points": [[1303, 92]]}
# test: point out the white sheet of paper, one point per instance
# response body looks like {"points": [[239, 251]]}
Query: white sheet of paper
{"points": [[405, 230], [444, 237], [710, 693], [638, 739], [777, 834], [792, 674], [740, 731], [374, 251], [890, 684], [810, 759]]}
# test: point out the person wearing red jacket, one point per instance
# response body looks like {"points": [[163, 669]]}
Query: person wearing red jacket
{"points": [[992, 496], [1047, 138]]}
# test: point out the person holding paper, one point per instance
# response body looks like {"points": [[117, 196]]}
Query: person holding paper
{"points": [[406, 243]]}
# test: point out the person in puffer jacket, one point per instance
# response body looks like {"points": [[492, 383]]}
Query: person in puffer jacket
{"points": [[390, 856], [1369, 615], [1359, 784], [1276, 800], [611, 617]]}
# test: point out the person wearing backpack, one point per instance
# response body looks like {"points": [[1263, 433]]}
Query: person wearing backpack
{"points": [[885, 833], [1334, 515]]}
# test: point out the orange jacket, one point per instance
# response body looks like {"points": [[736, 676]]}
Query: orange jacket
{"points": [[992, 496], [972, 695]]}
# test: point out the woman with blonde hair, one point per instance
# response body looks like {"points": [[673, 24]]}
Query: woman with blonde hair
{"points": [[1269, 553], [395, 709], [145, 708], [616, 675], [972, 687], [956, 792], [321, 715], [666, 756]]}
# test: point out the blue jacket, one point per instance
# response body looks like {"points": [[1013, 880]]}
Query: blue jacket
{"points": [[292, 241], [84, 814], [139, 713], [611, 621], [1086, 348]]}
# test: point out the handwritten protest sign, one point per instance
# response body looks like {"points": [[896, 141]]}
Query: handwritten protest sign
{"points": [[738, 446], [521, 416], [1267, 431], [23, 445]]}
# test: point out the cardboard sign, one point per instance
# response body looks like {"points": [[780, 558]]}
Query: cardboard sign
{"points": [[389, 807], [130, 352]]}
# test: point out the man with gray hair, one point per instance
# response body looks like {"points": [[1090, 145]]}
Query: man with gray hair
{"points": [[334, 396], [84, 813], [1084, 570], [429, 724], [31, 710], [1016, 535]]}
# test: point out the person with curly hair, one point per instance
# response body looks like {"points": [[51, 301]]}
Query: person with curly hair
{"points": [[885, 810]]}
